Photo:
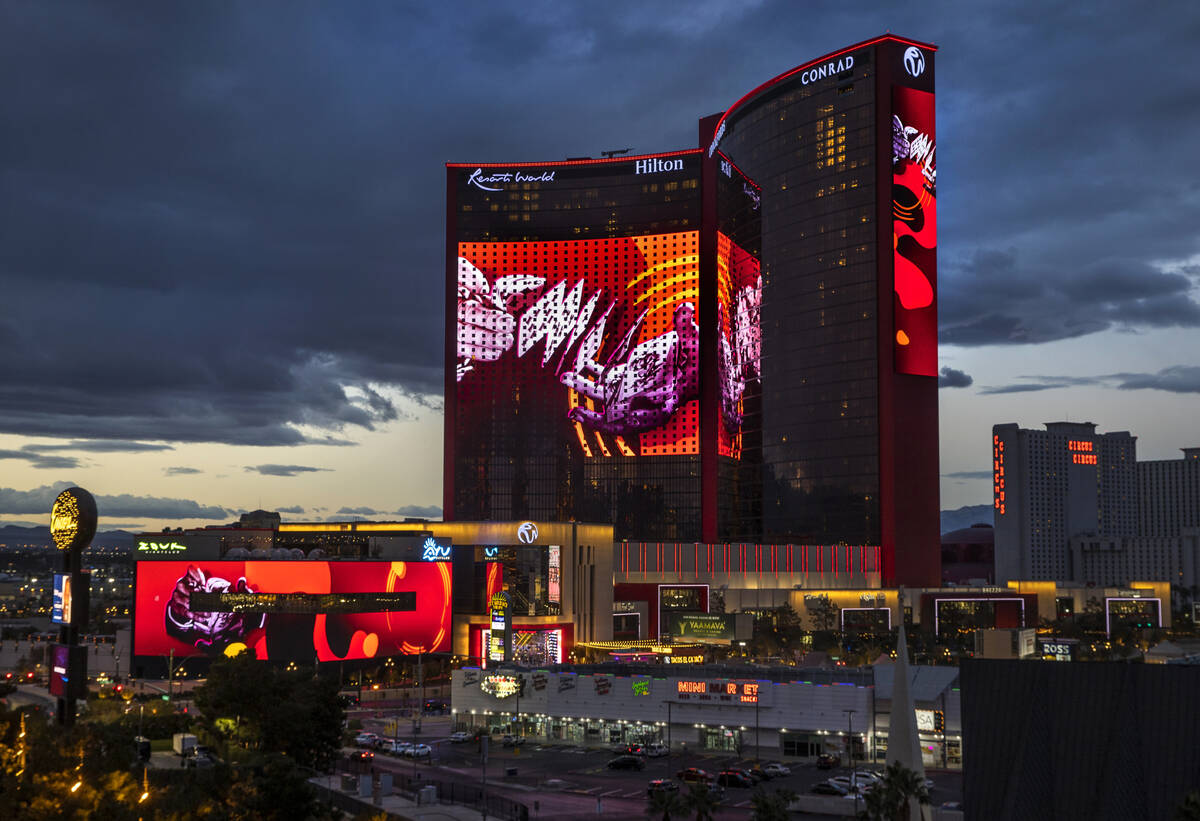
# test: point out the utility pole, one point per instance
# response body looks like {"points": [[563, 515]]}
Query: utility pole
{"points": [[850, 754]]}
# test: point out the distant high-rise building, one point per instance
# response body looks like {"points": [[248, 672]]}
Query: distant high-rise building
{"points": [[1071, 505], [1055, 485]]}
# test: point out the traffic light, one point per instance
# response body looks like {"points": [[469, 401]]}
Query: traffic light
{"points": [[520, 686]]}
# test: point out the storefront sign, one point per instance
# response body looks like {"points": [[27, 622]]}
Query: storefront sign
{"points": [[470, 677], [931, 721], [641, 688], [733, 692], [434, 552], [683, 659], [500, 637], [500, 686], [702, 626], [603, 685], [566, 683]]}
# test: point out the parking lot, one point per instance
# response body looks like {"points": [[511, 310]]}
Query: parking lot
{"points": [[562, 780]]}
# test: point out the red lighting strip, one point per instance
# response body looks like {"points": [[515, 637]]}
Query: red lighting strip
{"points": [[643, 560], [696, 561], [776, 80], [589, 161]]}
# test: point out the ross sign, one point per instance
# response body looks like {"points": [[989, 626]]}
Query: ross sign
{"points": [[161, 548], [431, 551], [1055, 649], [73, 519], [603, 685]]}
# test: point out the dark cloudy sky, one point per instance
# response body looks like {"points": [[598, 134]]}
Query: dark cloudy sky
{"points": [[221, 224]]}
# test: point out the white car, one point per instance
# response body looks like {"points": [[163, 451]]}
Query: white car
{"points": [[775, 769], [418, 751], [655, 750], [366, 740], [459, 737], [400, 747]]}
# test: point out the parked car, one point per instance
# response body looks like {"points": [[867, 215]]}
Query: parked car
{"points": [[199, 760], [775, 769], [366, 740], [734, 778], [827, 788], [755, 774], [693, 775], [825, 761], [661, 785], [657, 750], [853, 784], [513, 741], [418, 751], [363, 755], [633, 749], [627, 762], [459, 737]]}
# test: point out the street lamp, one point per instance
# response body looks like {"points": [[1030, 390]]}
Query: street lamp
{"points": [[850, 754]]}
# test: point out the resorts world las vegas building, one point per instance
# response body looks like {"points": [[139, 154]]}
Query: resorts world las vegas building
{"points": [[729, 344]]}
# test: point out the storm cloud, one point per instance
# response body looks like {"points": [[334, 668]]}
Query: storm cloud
{"points": [[227, 226]]}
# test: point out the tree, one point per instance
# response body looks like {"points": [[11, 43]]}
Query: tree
{"points": [[890, 799], [702, 801], [767, 806], [1189, 808], [665, 805], [250, 705], [824, 613]]}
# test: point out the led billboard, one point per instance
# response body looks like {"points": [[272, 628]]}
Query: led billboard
{"points": [[914, 221], [608, 329], [292, 610], [60, 608]]}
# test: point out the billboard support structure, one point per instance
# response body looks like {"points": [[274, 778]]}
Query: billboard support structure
{"points": [[72, 526]]}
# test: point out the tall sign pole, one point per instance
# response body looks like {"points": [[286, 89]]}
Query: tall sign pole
{"points": [[72, 527]]}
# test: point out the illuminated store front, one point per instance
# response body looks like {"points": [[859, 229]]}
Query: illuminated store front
{"points": [[790, 712]]}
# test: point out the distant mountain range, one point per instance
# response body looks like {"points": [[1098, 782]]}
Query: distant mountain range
{"points": [[966, 516], [13, 535]]}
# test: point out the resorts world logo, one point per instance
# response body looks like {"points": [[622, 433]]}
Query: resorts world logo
{"points": [[479, 180], [527, 533], [914, 61]]}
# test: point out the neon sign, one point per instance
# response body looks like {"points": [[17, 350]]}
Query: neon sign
{"points": [[743, 692], [160, 547], [998, 474], [500, 686], [641, 688], [434, 552], [1082, 452]]}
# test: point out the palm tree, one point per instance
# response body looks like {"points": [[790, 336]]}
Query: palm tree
{"points": [[665, 805], [770, 806], [702, 801], [1189, 808], [890, 799]]}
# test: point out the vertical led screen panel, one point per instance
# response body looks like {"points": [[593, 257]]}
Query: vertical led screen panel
{"points": [[914, 215], [282, 610], [60, 609], [605, 331], [739, 303]]}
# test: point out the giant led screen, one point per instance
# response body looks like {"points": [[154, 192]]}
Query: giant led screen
{"points": [[608, 328], [914, 220], [292, 610]]}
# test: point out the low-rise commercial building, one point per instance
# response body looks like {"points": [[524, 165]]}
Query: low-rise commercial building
{"points": [[768, 712]]}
